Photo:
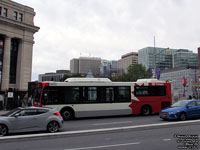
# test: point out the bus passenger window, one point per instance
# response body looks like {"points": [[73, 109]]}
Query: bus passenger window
{"points": [[92, 93], [75, 94], [71, 95], [124, 94], [109, 94], [150, 91]]}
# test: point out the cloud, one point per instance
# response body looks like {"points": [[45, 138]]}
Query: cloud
{"points": [[109, 28]]}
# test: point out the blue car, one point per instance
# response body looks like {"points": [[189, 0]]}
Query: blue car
{"points": [[182, 110]]}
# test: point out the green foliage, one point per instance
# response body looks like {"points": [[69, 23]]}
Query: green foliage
{"points": [[137, 71]]}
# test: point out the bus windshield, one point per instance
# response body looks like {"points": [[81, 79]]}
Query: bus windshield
{"points": [[34, 91]]}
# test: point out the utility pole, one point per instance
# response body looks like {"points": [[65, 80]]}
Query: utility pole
{"points": [[155, 67], [155, 57]]}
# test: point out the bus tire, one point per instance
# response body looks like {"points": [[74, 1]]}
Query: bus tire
{"points": [[146, 110], [67, 114]]}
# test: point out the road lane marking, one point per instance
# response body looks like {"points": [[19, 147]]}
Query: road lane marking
{"points": [[167, 140], [105, 146], [110, 123], [78, 132]]}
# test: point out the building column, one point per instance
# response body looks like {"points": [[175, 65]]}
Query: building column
{"points": [[6, 64], [20, 64], [24, 64]]}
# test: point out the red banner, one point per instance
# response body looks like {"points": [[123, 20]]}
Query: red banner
{"points": [[184, 81]]}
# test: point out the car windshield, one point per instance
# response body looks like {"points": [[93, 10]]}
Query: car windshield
{"points": [[180, 103], [11, 112]]}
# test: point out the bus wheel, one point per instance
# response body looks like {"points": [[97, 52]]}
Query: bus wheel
{"points": [[146, 110], [67, 114]]}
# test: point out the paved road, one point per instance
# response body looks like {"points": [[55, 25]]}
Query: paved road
{"points": [[109, 122], [159, 137]]}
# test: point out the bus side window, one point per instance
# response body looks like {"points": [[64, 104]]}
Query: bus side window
{"points": [[71, 95], [92, 93], [75, 94], [124, 94], [109, 94], [150, 91]]}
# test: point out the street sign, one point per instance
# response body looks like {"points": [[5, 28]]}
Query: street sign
{"points": [[10, 94]]}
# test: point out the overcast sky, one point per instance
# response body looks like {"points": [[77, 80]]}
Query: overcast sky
{"points": [[109, 28]]}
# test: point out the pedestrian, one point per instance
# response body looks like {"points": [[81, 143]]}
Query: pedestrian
{"points": [[30, 101], [5, 100], [190, 97], [25, 100]]}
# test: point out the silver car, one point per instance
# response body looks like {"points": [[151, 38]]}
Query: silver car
{"points": [[30, 119]]}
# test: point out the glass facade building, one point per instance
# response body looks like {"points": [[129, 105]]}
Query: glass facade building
{"points": [[149, 55], [184, 58], [165, 59]]}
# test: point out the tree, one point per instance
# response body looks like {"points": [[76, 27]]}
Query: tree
{"points": [[137, 71]]}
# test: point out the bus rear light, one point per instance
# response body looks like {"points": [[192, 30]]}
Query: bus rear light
{"points": [[57, 113]]}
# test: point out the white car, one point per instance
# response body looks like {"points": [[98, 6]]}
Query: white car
{"points": [[30, 119]]}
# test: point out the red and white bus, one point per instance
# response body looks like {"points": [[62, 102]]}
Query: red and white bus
{"points": [[83, 97]]}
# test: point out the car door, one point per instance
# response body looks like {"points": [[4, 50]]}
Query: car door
{"points": [[192, 109], [42, 116], [27, 120]]}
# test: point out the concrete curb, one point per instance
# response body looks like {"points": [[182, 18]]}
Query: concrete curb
{"points": [[86, 132]]}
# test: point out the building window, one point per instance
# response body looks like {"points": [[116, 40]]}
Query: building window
{"points": [[5, 12], [13, 60], [20, 17], [15, 15], [0, 10]]}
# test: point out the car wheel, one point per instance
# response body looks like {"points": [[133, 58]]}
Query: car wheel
{"points": [[67, 114], [3, 130], [53, 126], [146, 110], [183, 117]]}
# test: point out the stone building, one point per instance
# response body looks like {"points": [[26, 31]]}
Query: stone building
{"points": [[17, 31], [83, 65], [127, 60]]}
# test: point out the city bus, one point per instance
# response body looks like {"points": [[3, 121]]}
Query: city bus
{"points": [[87, 97]]}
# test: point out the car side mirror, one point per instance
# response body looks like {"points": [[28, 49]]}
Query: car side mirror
{"points": [[17, 115]]}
